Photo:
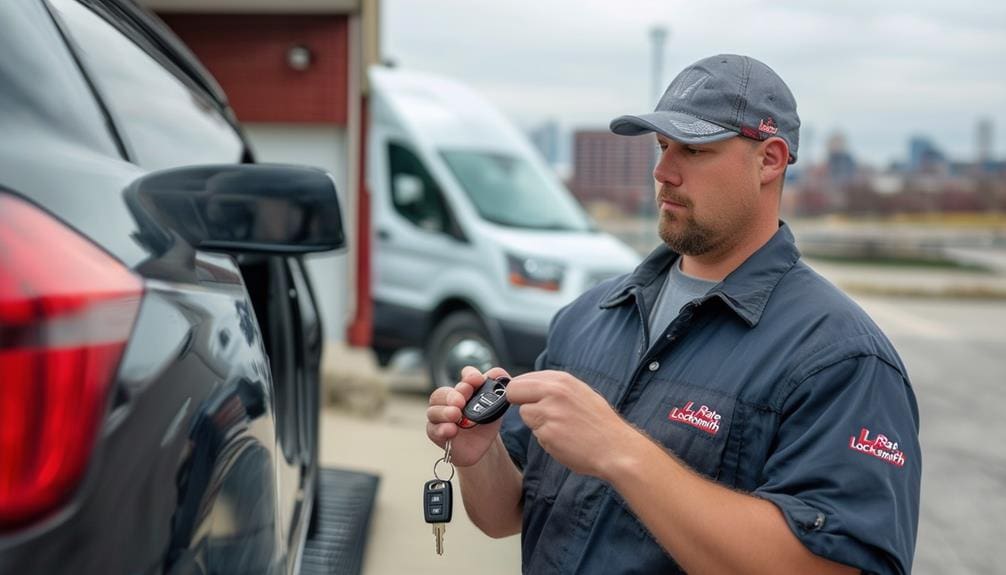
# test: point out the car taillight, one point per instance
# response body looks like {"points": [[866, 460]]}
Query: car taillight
{"points": [[66, 311]]}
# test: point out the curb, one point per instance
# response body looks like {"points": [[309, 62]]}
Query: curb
{"points": [[351, 379], [972, 292]]}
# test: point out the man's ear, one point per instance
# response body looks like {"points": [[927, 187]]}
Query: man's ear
{"points": [[774, 159]]}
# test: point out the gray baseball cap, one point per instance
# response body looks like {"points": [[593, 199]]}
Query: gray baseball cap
{"points": [[718, 98]]}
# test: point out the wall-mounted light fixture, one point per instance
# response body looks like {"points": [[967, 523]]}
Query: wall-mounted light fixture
{"points": [[299, 57]]}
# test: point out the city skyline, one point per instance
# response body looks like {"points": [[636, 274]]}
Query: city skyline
{"points": [[880, 73], [611, 173], [814, 150]]}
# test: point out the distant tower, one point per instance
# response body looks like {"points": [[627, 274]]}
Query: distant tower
{"points": [[545, 137], [841, 165], [924, 156], [836, 144], [983, 133], [658, 36]]}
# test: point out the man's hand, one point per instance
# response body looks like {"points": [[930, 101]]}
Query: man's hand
{"points": [[571, 421], [484, 466], [467, 445]]}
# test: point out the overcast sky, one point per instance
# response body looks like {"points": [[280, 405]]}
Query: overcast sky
{"points": [[879, 71]]}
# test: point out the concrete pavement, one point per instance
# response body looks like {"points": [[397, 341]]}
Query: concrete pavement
{"points": [[955, 352], [392, 443]]}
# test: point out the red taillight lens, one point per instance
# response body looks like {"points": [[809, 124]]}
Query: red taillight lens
{"points": [[66, 311]]}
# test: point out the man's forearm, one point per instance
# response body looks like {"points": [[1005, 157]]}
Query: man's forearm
{"points": [[492, 492], [705, 526]]}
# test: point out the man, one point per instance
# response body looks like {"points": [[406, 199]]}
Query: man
{"points": [[722, 409]]}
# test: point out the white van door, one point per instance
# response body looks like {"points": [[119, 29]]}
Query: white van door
{"points": [[416, 232]]}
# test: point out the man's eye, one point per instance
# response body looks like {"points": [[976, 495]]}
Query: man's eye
{"points": [[693, 151]]}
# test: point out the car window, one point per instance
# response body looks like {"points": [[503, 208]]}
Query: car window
{"points": [[41, 88], [414, 192], [164, 122]]}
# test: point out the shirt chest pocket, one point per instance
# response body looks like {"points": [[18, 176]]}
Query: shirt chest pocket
{"points": [[694, 424]]}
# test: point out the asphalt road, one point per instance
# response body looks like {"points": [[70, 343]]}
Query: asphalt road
{"points": [[955, 351]]}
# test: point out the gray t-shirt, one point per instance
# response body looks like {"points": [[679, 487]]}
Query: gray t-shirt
{"points": [[679, 289]]}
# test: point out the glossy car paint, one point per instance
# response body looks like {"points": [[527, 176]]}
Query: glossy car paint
{"points": [[195, 470]]}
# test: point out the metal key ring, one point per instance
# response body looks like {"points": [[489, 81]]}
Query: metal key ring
{"points": [[437, 475], [445, 459]]}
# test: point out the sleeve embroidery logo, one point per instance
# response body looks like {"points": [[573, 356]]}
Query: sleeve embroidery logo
{"points": [[705, 419], [880, 447]]}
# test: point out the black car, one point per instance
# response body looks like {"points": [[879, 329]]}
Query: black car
{"points": [[159, 339]]}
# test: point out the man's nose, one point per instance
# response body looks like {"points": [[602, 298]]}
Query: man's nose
{"points": [[666, 171]]}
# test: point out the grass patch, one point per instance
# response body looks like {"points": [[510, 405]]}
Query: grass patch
{"points": [[900, 262], [985, 293], [975, 220]]}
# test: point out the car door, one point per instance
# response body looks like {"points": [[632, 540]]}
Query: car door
{"points": [[165, 117]]}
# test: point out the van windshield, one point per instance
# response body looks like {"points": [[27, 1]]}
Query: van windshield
{"points": [[509, 191]]}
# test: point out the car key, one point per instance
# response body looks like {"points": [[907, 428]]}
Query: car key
{"points": [[438, 500], [437, 508], [487, 404]]}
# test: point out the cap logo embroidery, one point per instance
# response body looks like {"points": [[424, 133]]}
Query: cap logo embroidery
{"points": [[768, 126], [704, 418], [689, 84], [880, 447]]}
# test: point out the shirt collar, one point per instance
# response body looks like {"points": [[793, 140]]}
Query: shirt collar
{"points": [[745, 291]]}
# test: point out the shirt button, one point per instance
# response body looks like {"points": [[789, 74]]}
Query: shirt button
{"points": [[819, 521], [655, 366]]}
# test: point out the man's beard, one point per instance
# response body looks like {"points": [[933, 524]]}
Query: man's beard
{"points": [[693, 239]]}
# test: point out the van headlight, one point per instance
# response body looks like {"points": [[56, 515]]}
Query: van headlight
{"points": [[534, 273]]}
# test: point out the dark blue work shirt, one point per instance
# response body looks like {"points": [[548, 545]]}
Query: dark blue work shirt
{"points": [[775, 383]]}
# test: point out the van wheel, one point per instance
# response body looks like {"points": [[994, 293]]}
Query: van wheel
{"points": [[459, 339]]}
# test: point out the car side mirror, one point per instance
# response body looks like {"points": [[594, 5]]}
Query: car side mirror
{"points": [[242, 208]]}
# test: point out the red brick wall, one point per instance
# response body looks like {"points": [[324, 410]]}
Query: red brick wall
{"points": [[614, 169], [246, 53]]}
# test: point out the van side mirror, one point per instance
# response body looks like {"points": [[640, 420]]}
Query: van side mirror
{"points": [[407, 189], [240, 208]]}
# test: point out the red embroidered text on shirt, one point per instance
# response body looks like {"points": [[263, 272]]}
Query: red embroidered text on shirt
{"points": [[705, 419], [880, 447]]}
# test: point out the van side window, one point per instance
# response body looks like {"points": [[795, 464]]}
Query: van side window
{"points": [[164, 122], [414, 192]]}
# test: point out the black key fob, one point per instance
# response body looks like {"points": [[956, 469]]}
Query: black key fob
{"points": [[437, 501], [488, 404]]}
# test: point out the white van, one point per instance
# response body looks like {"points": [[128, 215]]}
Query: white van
{"points": [[477, 243]]}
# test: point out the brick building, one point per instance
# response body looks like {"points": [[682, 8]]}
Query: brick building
{"points": [[295, 74], [613, 169]]}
